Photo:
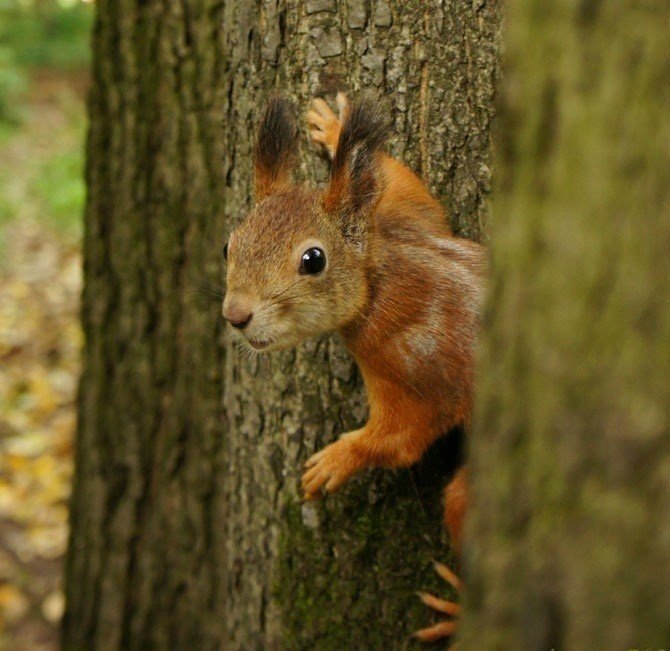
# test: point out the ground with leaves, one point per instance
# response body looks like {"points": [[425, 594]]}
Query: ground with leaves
{"points": [[40, 279]]}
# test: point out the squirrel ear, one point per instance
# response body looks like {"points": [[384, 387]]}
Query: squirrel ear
{"points": [[356, 178], [276, 149]]}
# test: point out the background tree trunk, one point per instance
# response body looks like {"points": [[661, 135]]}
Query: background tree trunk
{"points": [[187, 527], [570, 544]]}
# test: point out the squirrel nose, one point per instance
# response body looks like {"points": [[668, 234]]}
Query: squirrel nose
{"points": [[240, 322], [236, 314]]}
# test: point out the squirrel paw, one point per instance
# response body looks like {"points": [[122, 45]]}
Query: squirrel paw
{"points": [[331, 467], [446, 628], [324, 125]]}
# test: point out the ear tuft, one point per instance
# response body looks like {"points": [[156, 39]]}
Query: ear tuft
{"points": [[276, 149], [355, 176]]}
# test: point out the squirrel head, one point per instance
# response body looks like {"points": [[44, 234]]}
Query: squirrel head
{"points": [[297, 266]]}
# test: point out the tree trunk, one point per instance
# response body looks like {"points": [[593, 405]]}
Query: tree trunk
{"points": [[570, 535], [187, 527]]}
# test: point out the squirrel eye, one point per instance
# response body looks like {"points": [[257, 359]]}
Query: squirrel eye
{"points": [[313, 261], [225, 251]]}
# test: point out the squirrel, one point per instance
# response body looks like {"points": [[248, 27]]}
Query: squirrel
{"points": [[370, 256]]}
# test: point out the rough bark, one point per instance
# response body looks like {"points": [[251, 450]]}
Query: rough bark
{"points": [[571, 524], [187, 527]]}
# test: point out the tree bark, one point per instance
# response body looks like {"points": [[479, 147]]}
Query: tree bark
{"points": [[569, 539], [187, 527]]}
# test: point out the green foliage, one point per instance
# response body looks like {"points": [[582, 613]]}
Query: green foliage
{"points": [[47, 34], [41, 164], [59, 188], [12, 84]]}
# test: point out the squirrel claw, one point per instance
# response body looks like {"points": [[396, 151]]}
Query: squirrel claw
{"points": [[312, 480], [435, 632], [314, 459], [441, 605], [316, 120], [331, 467], [311, 497], [446, 628], [321, 107], [324, 125], [448, 575], [342, 105]]}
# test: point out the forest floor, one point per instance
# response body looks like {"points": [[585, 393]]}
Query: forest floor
{"points": [[41, 201]]}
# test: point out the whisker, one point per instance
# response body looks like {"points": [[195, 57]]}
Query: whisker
{"points": [[290, 298], [272, 298], [205, 293], [204, 297], [208, 284]]}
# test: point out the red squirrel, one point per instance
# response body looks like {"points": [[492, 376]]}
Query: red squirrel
{"points": [[369, 256]]}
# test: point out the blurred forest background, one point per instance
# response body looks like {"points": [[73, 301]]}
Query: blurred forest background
{"points": [[44, 58], [185, 515]]}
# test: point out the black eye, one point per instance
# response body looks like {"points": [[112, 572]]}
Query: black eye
{"points": [[225, 251], [313, 261]]}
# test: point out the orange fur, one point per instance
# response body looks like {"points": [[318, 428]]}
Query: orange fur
{"points": [[455, 506], [405, 191]]}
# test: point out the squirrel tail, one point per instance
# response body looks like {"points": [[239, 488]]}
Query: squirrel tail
{"points": [[455, 505]]}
